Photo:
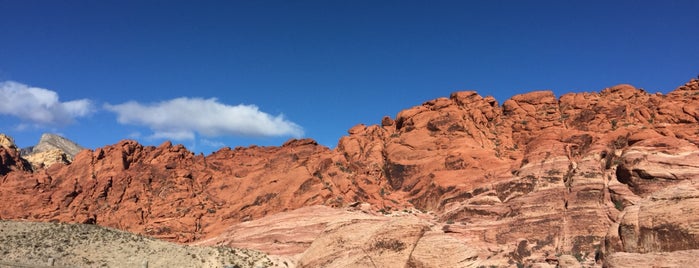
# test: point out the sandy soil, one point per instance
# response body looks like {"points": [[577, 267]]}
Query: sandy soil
{"points": [[32, 244]]}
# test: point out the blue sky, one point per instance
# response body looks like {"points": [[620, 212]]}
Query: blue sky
{"points": [[234, 73]]}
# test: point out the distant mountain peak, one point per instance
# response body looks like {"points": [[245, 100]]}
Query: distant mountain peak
{"points": [[50, 141], [52, 148]]}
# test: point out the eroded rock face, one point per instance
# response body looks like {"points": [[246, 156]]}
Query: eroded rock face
{"points": [[47, 158], [664, 221], [7, 141], [10, 159], [370, 243], [287, 233], [520, 183], [674, 259], [652, 164]]}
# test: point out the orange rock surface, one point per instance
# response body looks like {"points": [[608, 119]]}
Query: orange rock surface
{"points": [[588, 175]]}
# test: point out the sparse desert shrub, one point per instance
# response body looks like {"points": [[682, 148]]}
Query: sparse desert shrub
{"points": [[619, 205], [390, 244]]}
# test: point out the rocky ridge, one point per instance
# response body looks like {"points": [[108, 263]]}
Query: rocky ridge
{"points": [[589, 175]]}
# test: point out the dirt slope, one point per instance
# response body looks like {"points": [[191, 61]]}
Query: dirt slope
{"points": [[78, 245]]}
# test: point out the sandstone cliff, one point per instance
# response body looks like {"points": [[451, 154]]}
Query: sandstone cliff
{"points": [[588, 175]]}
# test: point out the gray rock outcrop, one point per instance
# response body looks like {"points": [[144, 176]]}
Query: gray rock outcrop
{"points": [[51, 149]]}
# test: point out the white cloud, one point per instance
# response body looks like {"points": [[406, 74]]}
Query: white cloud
{"points": [[212, 143], [173, 135], [183, 118], [40, 106], [135, 135]]}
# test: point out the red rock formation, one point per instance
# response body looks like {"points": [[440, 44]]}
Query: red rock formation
{"points": [[167, 191], [521, 181]]}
